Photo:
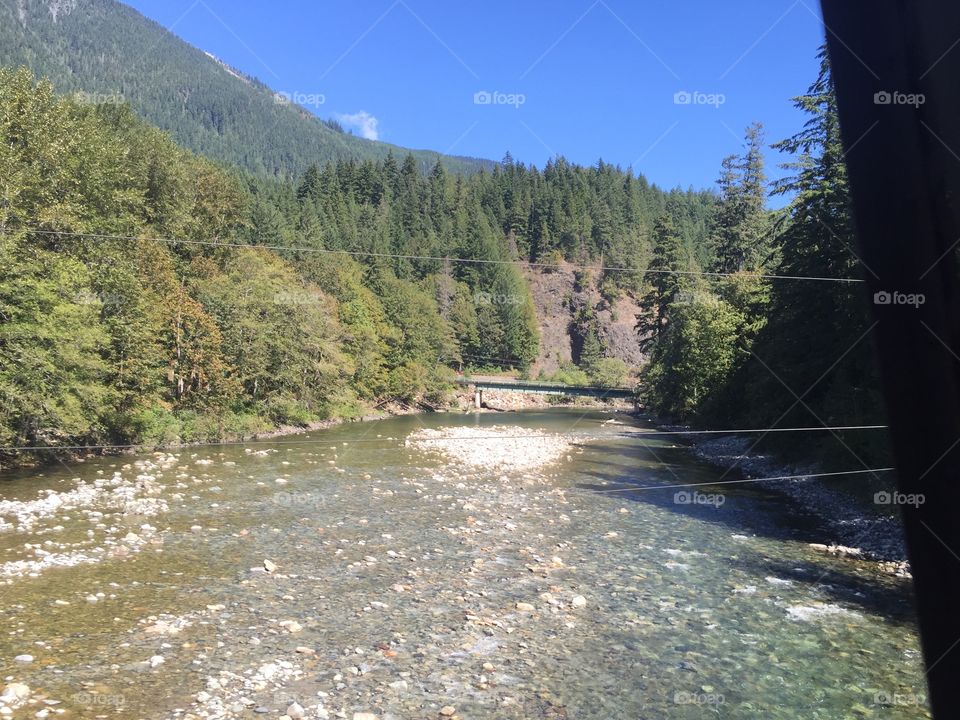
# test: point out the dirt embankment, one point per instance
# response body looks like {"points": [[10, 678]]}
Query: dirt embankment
{"points": [[556, 295]]}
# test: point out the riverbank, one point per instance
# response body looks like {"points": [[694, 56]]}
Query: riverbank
{"points": [[856, 531], [82, 453], [459, 402]]}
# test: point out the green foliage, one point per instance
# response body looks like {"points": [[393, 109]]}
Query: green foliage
{"points": [[567, 374], [136, 338], [53, 379], [815, 340], [694, 356], [609, 290], [610, 372], [669, 261], [744, 351], [740, 235], [588, 347]]}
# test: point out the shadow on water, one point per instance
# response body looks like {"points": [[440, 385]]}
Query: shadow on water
{"points": [[892, 600], [667, 476], [649, 473]]}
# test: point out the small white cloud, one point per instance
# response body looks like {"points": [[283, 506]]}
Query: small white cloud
{"points": [[366, 123]]}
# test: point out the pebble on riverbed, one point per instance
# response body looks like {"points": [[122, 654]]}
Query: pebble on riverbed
{"points": [[494, 448], [451, 554]]}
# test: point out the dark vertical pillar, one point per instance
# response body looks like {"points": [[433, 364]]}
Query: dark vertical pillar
{"points": [[903, 156]]}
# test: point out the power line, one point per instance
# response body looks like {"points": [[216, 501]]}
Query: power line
{"points": [[806, 476], [436, 258]]}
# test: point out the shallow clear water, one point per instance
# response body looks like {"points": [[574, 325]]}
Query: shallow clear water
{"points": [[691, 610]]}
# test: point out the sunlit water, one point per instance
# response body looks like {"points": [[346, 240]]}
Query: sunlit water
{"points": [[691, 610]]}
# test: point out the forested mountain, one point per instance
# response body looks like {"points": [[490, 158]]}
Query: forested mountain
{"points": [[149, 294], [136, 304], [743, 350], [109, 51]]}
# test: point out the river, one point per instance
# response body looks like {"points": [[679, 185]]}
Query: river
{"points": [[345, 572]]}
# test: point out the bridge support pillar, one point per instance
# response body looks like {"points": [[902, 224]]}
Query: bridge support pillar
{"points": [[478, 398]]}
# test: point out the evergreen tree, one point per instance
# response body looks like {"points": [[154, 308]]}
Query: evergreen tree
{"points": [[666, 280], [741, 227]]}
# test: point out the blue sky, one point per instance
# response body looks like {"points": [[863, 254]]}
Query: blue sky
{"points": [[585, 79]]}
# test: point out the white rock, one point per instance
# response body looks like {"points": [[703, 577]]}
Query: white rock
{"points": [[15, 692], [23, 659], [156, 661], [579, 601]]}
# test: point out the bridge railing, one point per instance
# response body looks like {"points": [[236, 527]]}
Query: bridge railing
{"points": [[542, 386]]}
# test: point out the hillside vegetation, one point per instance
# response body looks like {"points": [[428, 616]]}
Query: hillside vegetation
{"points": [[743, 350], [137, 305]]}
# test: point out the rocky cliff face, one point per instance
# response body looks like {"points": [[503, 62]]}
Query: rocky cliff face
{"points": [[557, 296]]}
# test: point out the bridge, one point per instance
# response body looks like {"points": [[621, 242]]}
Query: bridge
{"points": [[536, 387]]}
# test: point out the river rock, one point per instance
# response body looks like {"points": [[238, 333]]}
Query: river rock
{"points": [[269, 566], [15, 692], [448, 710], [364, 716], [23, 659], [295, 711], [525, 607], [579, 601]]}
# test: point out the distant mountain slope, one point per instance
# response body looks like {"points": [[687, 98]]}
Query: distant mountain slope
{"points": [[556, 295], [110, 51]]}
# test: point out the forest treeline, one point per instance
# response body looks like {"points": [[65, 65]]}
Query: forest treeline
{"points": [[744, 350], [149, 295]]}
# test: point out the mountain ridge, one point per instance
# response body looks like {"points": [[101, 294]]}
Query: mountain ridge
{"points": [[104, 48]]}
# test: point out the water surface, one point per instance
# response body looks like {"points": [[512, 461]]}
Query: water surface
{"points": [[403, 570]]}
